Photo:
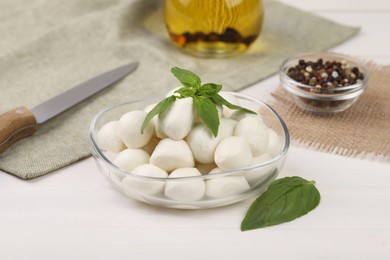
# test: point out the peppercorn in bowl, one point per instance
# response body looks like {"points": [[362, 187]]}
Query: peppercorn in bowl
{"points": [[323, 82], [171, 165]]}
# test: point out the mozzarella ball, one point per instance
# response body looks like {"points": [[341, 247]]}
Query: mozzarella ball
{"points": [[131, 184], [253, 176], [129, 159], [130, 129], [158, 132], [176, 122], [225, 186], [233, 152], [274, 144], [185, 190], [231, 99], [171, 154], [255, 133], [226, 127], [108, 138], [203, 143]]}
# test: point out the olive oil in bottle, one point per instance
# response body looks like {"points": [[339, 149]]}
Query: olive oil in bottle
{"points": [[213, 28]]}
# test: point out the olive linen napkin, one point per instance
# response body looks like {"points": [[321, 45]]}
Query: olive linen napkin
{"points": [[48, 46], [361, 131]]}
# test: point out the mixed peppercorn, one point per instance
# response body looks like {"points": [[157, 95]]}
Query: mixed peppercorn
{"points": [[325, 77]]}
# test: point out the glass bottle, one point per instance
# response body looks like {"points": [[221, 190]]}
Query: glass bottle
{"points": [[213, 28]]}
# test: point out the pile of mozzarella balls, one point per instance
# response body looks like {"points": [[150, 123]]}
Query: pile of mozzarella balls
{"points": [[176, 143]]}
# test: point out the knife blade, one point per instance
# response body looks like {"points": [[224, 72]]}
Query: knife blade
{"points": [[22, 122]]}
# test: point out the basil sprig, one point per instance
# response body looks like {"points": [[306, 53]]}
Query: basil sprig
{"points": [[205, 99], [286, 199]]}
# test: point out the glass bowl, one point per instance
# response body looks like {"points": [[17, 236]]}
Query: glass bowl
{"points": [[315, 89], [257, 176]]}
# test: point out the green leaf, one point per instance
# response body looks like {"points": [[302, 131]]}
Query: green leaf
{"points": [[285, 200], [209, 89], [185, 92], [217, 99], [205, 97], [208, 112], [159, 108], [186, 77]]}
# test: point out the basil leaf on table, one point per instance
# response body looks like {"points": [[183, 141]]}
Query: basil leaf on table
{"points": [[286, 199]]}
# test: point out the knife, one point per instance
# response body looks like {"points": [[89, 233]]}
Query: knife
{"points": [[21, 122]]}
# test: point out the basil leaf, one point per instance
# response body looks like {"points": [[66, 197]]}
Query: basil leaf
{"points": [[285, 200], [185, 92], [217, 99], [159, 108], [186, 77], [208, 112], [209, 89]]}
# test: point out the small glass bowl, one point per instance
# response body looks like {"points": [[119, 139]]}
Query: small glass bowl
{"points": [[258, 176], [307, 96]]}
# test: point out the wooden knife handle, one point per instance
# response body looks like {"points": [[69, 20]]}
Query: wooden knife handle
{"points": [[15, 125]]}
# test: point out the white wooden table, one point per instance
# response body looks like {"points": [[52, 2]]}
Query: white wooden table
{"points": [[74, 213]]}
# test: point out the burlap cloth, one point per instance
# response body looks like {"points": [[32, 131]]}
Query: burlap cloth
{"points": [[361, 131], [48, 46]]}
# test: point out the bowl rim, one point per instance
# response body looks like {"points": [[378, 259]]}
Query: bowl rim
{"points": [[97, 151], [290, 84]]}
